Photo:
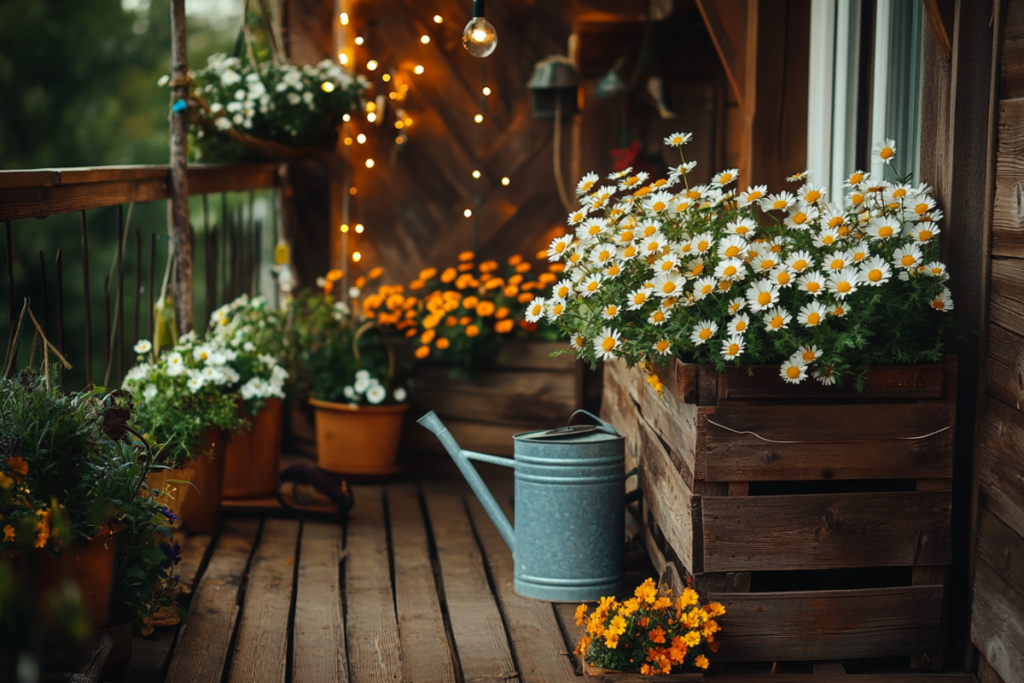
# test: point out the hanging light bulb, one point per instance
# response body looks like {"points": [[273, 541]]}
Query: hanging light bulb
{"points": [[356, 256], [479, 37], [371, 65], [419, 69], [359, 40], [438, 19], [360, 228], [344, 18], [487, 91]]}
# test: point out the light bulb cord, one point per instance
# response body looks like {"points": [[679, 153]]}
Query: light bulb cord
{"points": [[478, 8]]}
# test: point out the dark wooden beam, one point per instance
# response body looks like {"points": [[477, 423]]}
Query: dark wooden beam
{"points": [[940, 15], [732, 58]]}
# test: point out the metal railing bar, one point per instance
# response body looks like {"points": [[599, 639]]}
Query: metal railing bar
{"points": [[119, 305], [60, 311], [108, 345], [88, 300], [11, 299], [46, 295], [152, 275], [138, 286]]}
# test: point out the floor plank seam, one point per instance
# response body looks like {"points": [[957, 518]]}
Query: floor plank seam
{"points": [[494, 589], [290, 659], [343, 595], [435, 567], [240, 604], [205, 561]]}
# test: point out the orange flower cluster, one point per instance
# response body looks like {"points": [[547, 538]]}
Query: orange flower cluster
{"points": [[650, 633]]}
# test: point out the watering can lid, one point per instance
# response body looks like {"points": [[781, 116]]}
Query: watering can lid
{"points": [[569, 433]]}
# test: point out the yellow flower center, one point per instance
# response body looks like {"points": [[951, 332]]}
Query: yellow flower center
{"points": [[812, 320], [659, 182], [668, 287], [754, 196], [856, 178], [706, 289], [658, 206], [557, 310], [640, 298], [562, 292], [612, 310], [604, 255], [792, 372], [667, 265], [921, 208], [649, 230], [908, 260], [835, 221], [537, 308], [812, 196], [574, 257], [742, 230], [726, 177], [740, 326], [837, 263], [899, 193], [767, 264], [612, 271], [885, 231], [626, 236], [705, 333], [779, 204], [729, 271], [875, 275], [777, 322], [734, 349], [828, 239], [697, 269], [939, 304], [843, 287], [693, 194], [594, 230], [809, 355], [732, 250], [608, 344], [703, 245], [577, 217], [783, 279], [587, 185], [629, 251], [560, 247], [887, 153], [839, 311], [936, 271], [799, 217], [764, 298], [857, 198], [580, 341], [663, 345], [724, 285], [632, 180], [924, 235], [799, 265], [592, 286], [813, 286]]}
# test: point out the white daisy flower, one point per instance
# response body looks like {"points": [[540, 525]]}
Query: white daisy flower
{"points": [[808, 354], [577, 216], [857, 178], [195, 384], [725, 177], [825, 376], [376, 393], [919, 207], [799, 261], [590, 285], [811, 314], [612, 271], [875, 271], [729, 269], [659, 316], [765, 260], [907, 257], [536, 309], [704, 331], [577, 342], [844, 282], [703, 243], [839, 310], [739, 324], [943, 301], [937, 269], [752, 195], [737, 305], [809, 194], [799, 177], [150, 392], [657, 202], [678, 139], [399, 394], [858, 253], [827, 238], [703, 287], [733, 347], [831, 217], [555, 308], [637, 298], [732, 247], [634, 181], [175, 364], [778, 202], [793, 371], [610, 311], [883, 228], [777, 319], [667, 263], [762, 295], [602, 254], [647, 229], [607, 343], [923, 232], [884, 150], [143, 346], [802, 218], [591, 230], [836, 261], [562, 289], [677, 172], [663, 347], [653, 245], [628, 252], [586, 184], [668, 284], [813, 283]]}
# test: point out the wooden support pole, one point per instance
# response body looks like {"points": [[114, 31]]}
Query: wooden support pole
{"points": [[178, 221]]}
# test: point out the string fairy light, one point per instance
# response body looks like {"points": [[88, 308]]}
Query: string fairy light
{"points": [[419, 69], [360, 228]]}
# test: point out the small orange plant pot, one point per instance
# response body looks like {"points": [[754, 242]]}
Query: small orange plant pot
{"points": [[358, 440], [198, 505], [252, 461]]}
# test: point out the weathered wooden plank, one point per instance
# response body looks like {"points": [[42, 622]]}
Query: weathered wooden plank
{"points": [[884, 381], [565, 612], [817, 625], [211, 179], [1001, 463], [371, 629], [827, 530], [480, 637], [34, 202], [319, 654], [41, 177], [1008, 205], [1006, 296], [1003, 549], [194, 548], [426, 653], [997, 622], [986, 674], [532, 624], [261, 648], [203, 643], [1004, 367], [1012, 76]]}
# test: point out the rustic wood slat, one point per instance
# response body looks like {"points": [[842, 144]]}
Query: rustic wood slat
{"points": [[215, 178], [1008, 205], [202, 648], [1006, 295], [1004, 366], [815, 531], [261, 648], [887, 382], [997, 621], [371, 629], [848, 624], [1001, 463], [319, 631], [426, 653], [193, 551], [480, 637], [565, 612], [532, 624]]}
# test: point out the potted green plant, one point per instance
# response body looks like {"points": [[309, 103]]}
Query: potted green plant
{"points": [[187, 405], [254, 332], [347, 369]]}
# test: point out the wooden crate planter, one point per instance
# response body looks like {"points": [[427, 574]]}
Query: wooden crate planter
{"points": [[523, 389], [814, 514]]}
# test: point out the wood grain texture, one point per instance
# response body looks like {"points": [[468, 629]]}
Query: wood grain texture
{"points": [[1008, 206], [202, 648], [371, 629], [825, 531], [426, 653], [480, 638], [1012, 77], [1001, 463], [532, 624], [319, 632], [261, 648], [1004, 367], [194, 548], [886, 382], [997, 627], [1006, 294], [825, 625]]}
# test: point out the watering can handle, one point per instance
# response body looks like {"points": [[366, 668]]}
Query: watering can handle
{"points": [[602, 425]]}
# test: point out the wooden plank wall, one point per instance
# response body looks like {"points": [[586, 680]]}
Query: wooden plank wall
{"points": [[997, 619]]}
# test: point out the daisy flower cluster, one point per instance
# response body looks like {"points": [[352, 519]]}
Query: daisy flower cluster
{"points": [[368, 389], [286, 104], [713, 274], [463, 314], [651, 633]]}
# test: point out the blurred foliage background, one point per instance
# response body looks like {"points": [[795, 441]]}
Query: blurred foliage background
{"points": [[78, 87]]}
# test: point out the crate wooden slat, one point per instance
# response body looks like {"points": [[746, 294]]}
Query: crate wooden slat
{"points": [[743, 476]]}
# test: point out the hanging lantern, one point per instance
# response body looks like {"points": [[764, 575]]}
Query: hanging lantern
{"points": [[554, 83]]}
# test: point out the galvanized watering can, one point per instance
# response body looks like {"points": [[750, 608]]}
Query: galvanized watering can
{"points": [[568, 542]]}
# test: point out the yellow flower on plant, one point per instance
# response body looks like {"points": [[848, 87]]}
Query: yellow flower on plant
{"points": [[629, 607], [647, 591], [375, 273], [692, 638], [42, 528], [617, 625], [17, 465], [485, 309], [657, 635], [427, 336], [701, 662], [8, 533], [584, 644], [581, 612], [472, 330], [5, 481], [448, 275], [442, 343], [422, 352], [612, 641]]}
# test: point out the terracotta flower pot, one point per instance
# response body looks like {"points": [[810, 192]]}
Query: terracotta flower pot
{"points": [[358, 440], [88, 564], [253, 459], [198, 506]]}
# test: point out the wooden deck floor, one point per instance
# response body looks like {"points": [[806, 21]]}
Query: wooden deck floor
{"points": [[415, 588]]}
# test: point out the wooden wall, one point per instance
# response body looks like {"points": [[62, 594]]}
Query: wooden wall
{"points": [[997, 620]]}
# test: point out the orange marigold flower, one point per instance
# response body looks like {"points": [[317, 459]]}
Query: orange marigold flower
{"points": [[417, 284], [431, 321], [488, 266], [335, 274], [494, 283], [525, 298], [501, 313], [360, 281], [422, 352], [428, 273], [701, 662], [523, 267], [466, 256], [516, 259], [504, 326], [410, 332], [375, 273], [485, 309], [511, 291], [472, 330], [541, 255], [647, 591], [643, 621], [581, 612], [713, 645], [448, 275], [584, 644], [657, 635], [646, 670], [528, 326], [451, 321], [465, 267], [547, 278], [427, 336], [465, 320], [470, 302], [8, 533], [515, 279], [17, 465], [328, 288], [442, 343]]}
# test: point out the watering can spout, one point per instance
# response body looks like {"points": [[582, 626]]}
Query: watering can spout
{"points": [[462, 459]]}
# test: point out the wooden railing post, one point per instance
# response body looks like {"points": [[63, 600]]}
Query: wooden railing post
{"points": [[181, 230]]}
